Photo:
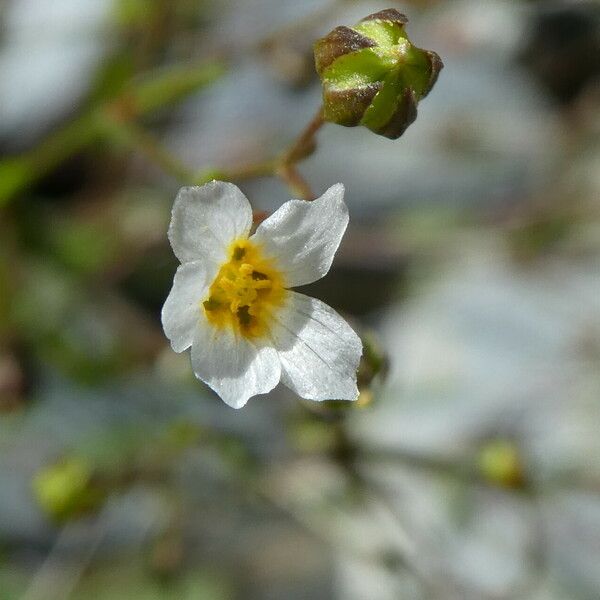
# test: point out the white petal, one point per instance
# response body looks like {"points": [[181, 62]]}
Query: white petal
{"points": [[233, 366], [319, 351], [304, 236], [181, 311], [205, 220]]}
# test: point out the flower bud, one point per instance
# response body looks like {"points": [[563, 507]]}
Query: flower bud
{"points": [[500, 463], [66, 490], [372, 75]]}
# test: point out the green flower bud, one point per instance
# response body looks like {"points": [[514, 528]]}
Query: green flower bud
{"points": [[500, 463], [66, 490], [372, 75]]}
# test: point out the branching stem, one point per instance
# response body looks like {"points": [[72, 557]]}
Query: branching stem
{"points": [[283, 166]]}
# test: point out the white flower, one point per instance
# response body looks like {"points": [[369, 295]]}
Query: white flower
{"points": [[232, 304]]}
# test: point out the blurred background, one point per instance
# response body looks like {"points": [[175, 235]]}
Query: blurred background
{"points": [[470, 466]]}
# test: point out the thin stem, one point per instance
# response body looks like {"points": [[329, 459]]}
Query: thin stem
{"points": [[264, 169], [296, 183], [283, 166], [305, 143], [155, 151]]}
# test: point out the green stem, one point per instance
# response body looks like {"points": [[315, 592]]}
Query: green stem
{"points": [[295, 182], [305, 143], [283, 166], [146, 143]]}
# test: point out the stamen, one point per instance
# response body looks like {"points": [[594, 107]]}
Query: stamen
{"points": [[239, 253], [245, 294], [211, 304], [244, 316]]}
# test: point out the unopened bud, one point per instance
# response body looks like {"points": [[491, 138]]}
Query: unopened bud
{"points": [[372, 75], [66, 490], [500, 463]]}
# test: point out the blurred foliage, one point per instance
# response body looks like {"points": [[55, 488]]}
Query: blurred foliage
{"points": [[107, 121], [119, 580]]}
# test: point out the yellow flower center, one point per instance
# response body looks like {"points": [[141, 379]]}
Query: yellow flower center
{"points": [[246, 292]]}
